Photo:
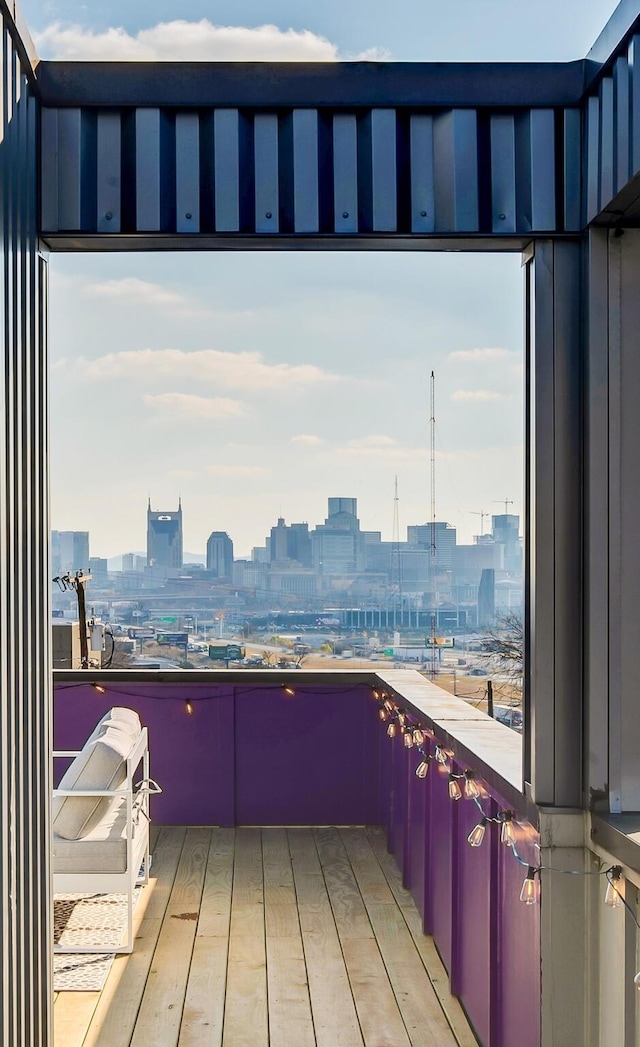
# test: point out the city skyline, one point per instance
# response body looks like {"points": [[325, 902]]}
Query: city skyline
{"points": [[250, 383]]}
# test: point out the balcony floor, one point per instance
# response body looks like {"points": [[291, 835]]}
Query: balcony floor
{"points": [[281, 937]]}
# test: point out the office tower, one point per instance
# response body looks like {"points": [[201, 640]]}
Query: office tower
{"points": [[164, 537], [487, 599], [338, 545], [69, 551], [220, 555]]}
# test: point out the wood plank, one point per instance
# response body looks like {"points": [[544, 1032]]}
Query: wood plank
{"points": [[369, 875], [378, 1011], [161, 1007], [72, 1013], [290, 1021], [344, 894], [246, 1022], [280, 903], [423, 1016], [424, 943], [116, 1013], [334, 1014], [215, 909], [203, 1014]]}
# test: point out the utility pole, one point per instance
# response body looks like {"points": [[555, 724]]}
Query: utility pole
{"points": [[78, 583], [507, 502]]}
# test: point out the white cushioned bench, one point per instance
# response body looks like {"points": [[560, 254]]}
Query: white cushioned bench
{"points": [[101, 819]]}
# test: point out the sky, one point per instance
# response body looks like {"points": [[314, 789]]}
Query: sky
{"points": [[258, 385]]}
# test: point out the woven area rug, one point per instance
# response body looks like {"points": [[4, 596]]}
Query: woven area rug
{"points": [[82, 920]]}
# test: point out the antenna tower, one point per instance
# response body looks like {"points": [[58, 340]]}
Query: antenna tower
{"points": [[396, 564], [434, 598]]}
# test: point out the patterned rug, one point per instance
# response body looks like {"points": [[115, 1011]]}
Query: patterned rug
{"points": [[87, 919]]}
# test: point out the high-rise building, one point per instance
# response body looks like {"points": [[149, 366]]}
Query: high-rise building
{"points": [[338, 545], [487, 598], [99, 567], [164, 538], [69, 551], [220, 555], [506, 532]]}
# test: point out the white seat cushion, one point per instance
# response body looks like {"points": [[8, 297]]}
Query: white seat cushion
{"points": [[119, 716], [103, 850], [100, 765]]}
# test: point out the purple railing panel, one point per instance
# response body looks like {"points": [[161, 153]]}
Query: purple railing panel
{"points": [[192, 756], [399, 799], [309, 760], [244, 755], [439, 863], [518, 970], [473, 957], [416, 842]]}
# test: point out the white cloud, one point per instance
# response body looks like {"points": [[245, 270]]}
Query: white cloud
{"points": [[195, 406], [480, 356], [238, 470], [307, 438], [478, 395], [246, 370], [374, 440], [141, 292], [180, 40]]}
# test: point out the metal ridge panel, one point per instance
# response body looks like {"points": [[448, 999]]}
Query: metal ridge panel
{"points": [[316, 84]]}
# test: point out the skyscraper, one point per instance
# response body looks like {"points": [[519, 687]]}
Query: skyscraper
{"points": [[164, 537], [220, 555], [69, 551]]}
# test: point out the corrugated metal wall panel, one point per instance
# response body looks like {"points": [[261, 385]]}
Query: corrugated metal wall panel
{"points": [[305, 171], [25, 703]]}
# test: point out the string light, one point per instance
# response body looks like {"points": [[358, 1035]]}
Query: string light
{"points": [[382, 713], [391, 730], [530, 892], [97, 687], [471, 788], [613, 895], [418, 736], [476, 836], [455, 792], [441, 756], [408, 740], [289, 691], [507, 832], [188, 708], [422, 769]]}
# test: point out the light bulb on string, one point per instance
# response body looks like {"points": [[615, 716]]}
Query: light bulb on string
{"points": [[391, 730], [418, 736], [455, 792], [188, 708], [471, 788], [613, 893], [476, 836], [423, 768], [389, 706], [441, 755], [507, 832], [382, 713], [288, 691], [530, 888], [408, 740], [402, 719], [99, 688]]}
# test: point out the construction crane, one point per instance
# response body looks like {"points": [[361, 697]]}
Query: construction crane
{"points": [[482, 516], [432, 427], [507, 502]]}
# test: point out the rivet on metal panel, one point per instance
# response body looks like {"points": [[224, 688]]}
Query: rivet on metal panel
{"points": [[502, 217], [345, 214], [108, 216], [268, 214], [188, 214], [423, 214]]}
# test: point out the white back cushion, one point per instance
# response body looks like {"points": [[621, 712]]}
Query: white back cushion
{"points": [[100, 765]]}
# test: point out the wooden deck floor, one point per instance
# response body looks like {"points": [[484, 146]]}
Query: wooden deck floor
{"points": [[280, 937]]}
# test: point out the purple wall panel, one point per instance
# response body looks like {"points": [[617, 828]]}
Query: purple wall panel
{"points": [[439, 869], [474, 959], [399, 799], [192, 757], [518, 1005], [417, 808], [311, 760], [308, 760]]}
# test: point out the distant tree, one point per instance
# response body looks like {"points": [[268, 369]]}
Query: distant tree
{"points": [[505, 646]]}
